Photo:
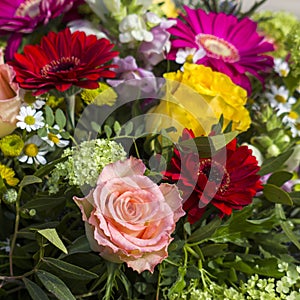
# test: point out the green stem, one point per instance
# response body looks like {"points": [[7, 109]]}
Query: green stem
{"points": [[14, 238], [70, 101]]}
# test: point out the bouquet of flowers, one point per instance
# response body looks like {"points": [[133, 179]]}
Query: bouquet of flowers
{"points": [[149, 150]]}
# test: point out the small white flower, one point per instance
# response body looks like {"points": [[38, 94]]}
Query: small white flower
{"points": [[87, 27], [55, 139], [30, 119], [279, 98], [33, 151], [281, 67], [133, 28], [189, 54]]}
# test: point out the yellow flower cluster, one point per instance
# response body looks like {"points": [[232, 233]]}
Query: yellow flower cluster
{"points": [[8, 175], [196, 98]]}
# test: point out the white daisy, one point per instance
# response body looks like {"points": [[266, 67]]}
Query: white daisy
{"points": [[189, 55], [30, 119], [55, 138], [279, 98], [281, 67], [33, 151], [293, 120]]}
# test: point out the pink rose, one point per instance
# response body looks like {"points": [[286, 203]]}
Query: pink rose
{"points": [[128, 217], [9, 99]]}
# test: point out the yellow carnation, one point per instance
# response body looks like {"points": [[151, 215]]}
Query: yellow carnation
{"points": [[196, 98]]}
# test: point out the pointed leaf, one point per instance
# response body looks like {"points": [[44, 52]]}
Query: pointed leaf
{"points": [[275, 163], [280, 177], [51, 235], [35, 292], [30, 179], [55, 285], [277, 195], [69, 270], [60, 118]]}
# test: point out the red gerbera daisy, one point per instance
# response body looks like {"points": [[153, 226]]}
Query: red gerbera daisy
{"points": [[222, 42], [226, 183], [63, 60]]}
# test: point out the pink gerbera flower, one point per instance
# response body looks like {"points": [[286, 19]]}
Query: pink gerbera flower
{"points": [[20, 17], [63, 60], [228, 45]]}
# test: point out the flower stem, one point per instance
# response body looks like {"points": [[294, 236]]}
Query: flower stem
{"points": [[70, 101], [14, 238]]}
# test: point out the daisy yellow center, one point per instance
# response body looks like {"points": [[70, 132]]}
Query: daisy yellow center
{"points": [[293, 115], [31, 150], [215, 172], [29, 120], [280, 99], [28, 8], [217, 47], [53, 138], [62, 64]]}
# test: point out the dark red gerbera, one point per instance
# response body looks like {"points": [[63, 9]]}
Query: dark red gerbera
{"points": [[62, 60], [227, 181]]}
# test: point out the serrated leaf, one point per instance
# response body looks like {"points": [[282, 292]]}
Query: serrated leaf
{"points": [[69, 270], [51, 235], [275, 163], [60, 118], [55, 285], [279, 178], [277, 195], [49, 115], [35, 291], [30, 179]]}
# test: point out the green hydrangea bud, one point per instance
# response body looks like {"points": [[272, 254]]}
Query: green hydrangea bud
{"points": [[10, 196]]}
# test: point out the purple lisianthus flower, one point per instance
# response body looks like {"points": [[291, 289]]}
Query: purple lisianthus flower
{"points": [[21, 17], [129, 72], [155, 51]]}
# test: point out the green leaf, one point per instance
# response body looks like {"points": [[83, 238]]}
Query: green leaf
{"points": [[49, 115], [295, 197], [117, 127], [44, 204], [205, 232], [35, 292], [51, 235], [214, 250], [55, 286], [60, 118], [280, 177], [30, 179], [277, 195], [80, 245], [46, 169], [108, 131], [207, 146], [69, 270], [274, 163], [128, 128]]}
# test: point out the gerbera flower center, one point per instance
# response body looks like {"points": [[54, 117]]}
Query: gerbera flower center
{"points": [[215, 172], [29, 120], [217, 47], [53, 138], [280, 99], [31, 150], [60, 65], [28, 8]]}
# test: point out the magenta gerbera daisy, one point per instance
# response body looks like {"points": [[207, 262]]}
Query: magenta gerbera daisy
{"points": [[62, 60], [227, 44], [20, 17]]}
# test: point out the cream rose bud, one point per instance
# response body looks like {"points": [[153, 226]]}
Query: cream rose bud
{"points": [[9, 99], [129, 218]]}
